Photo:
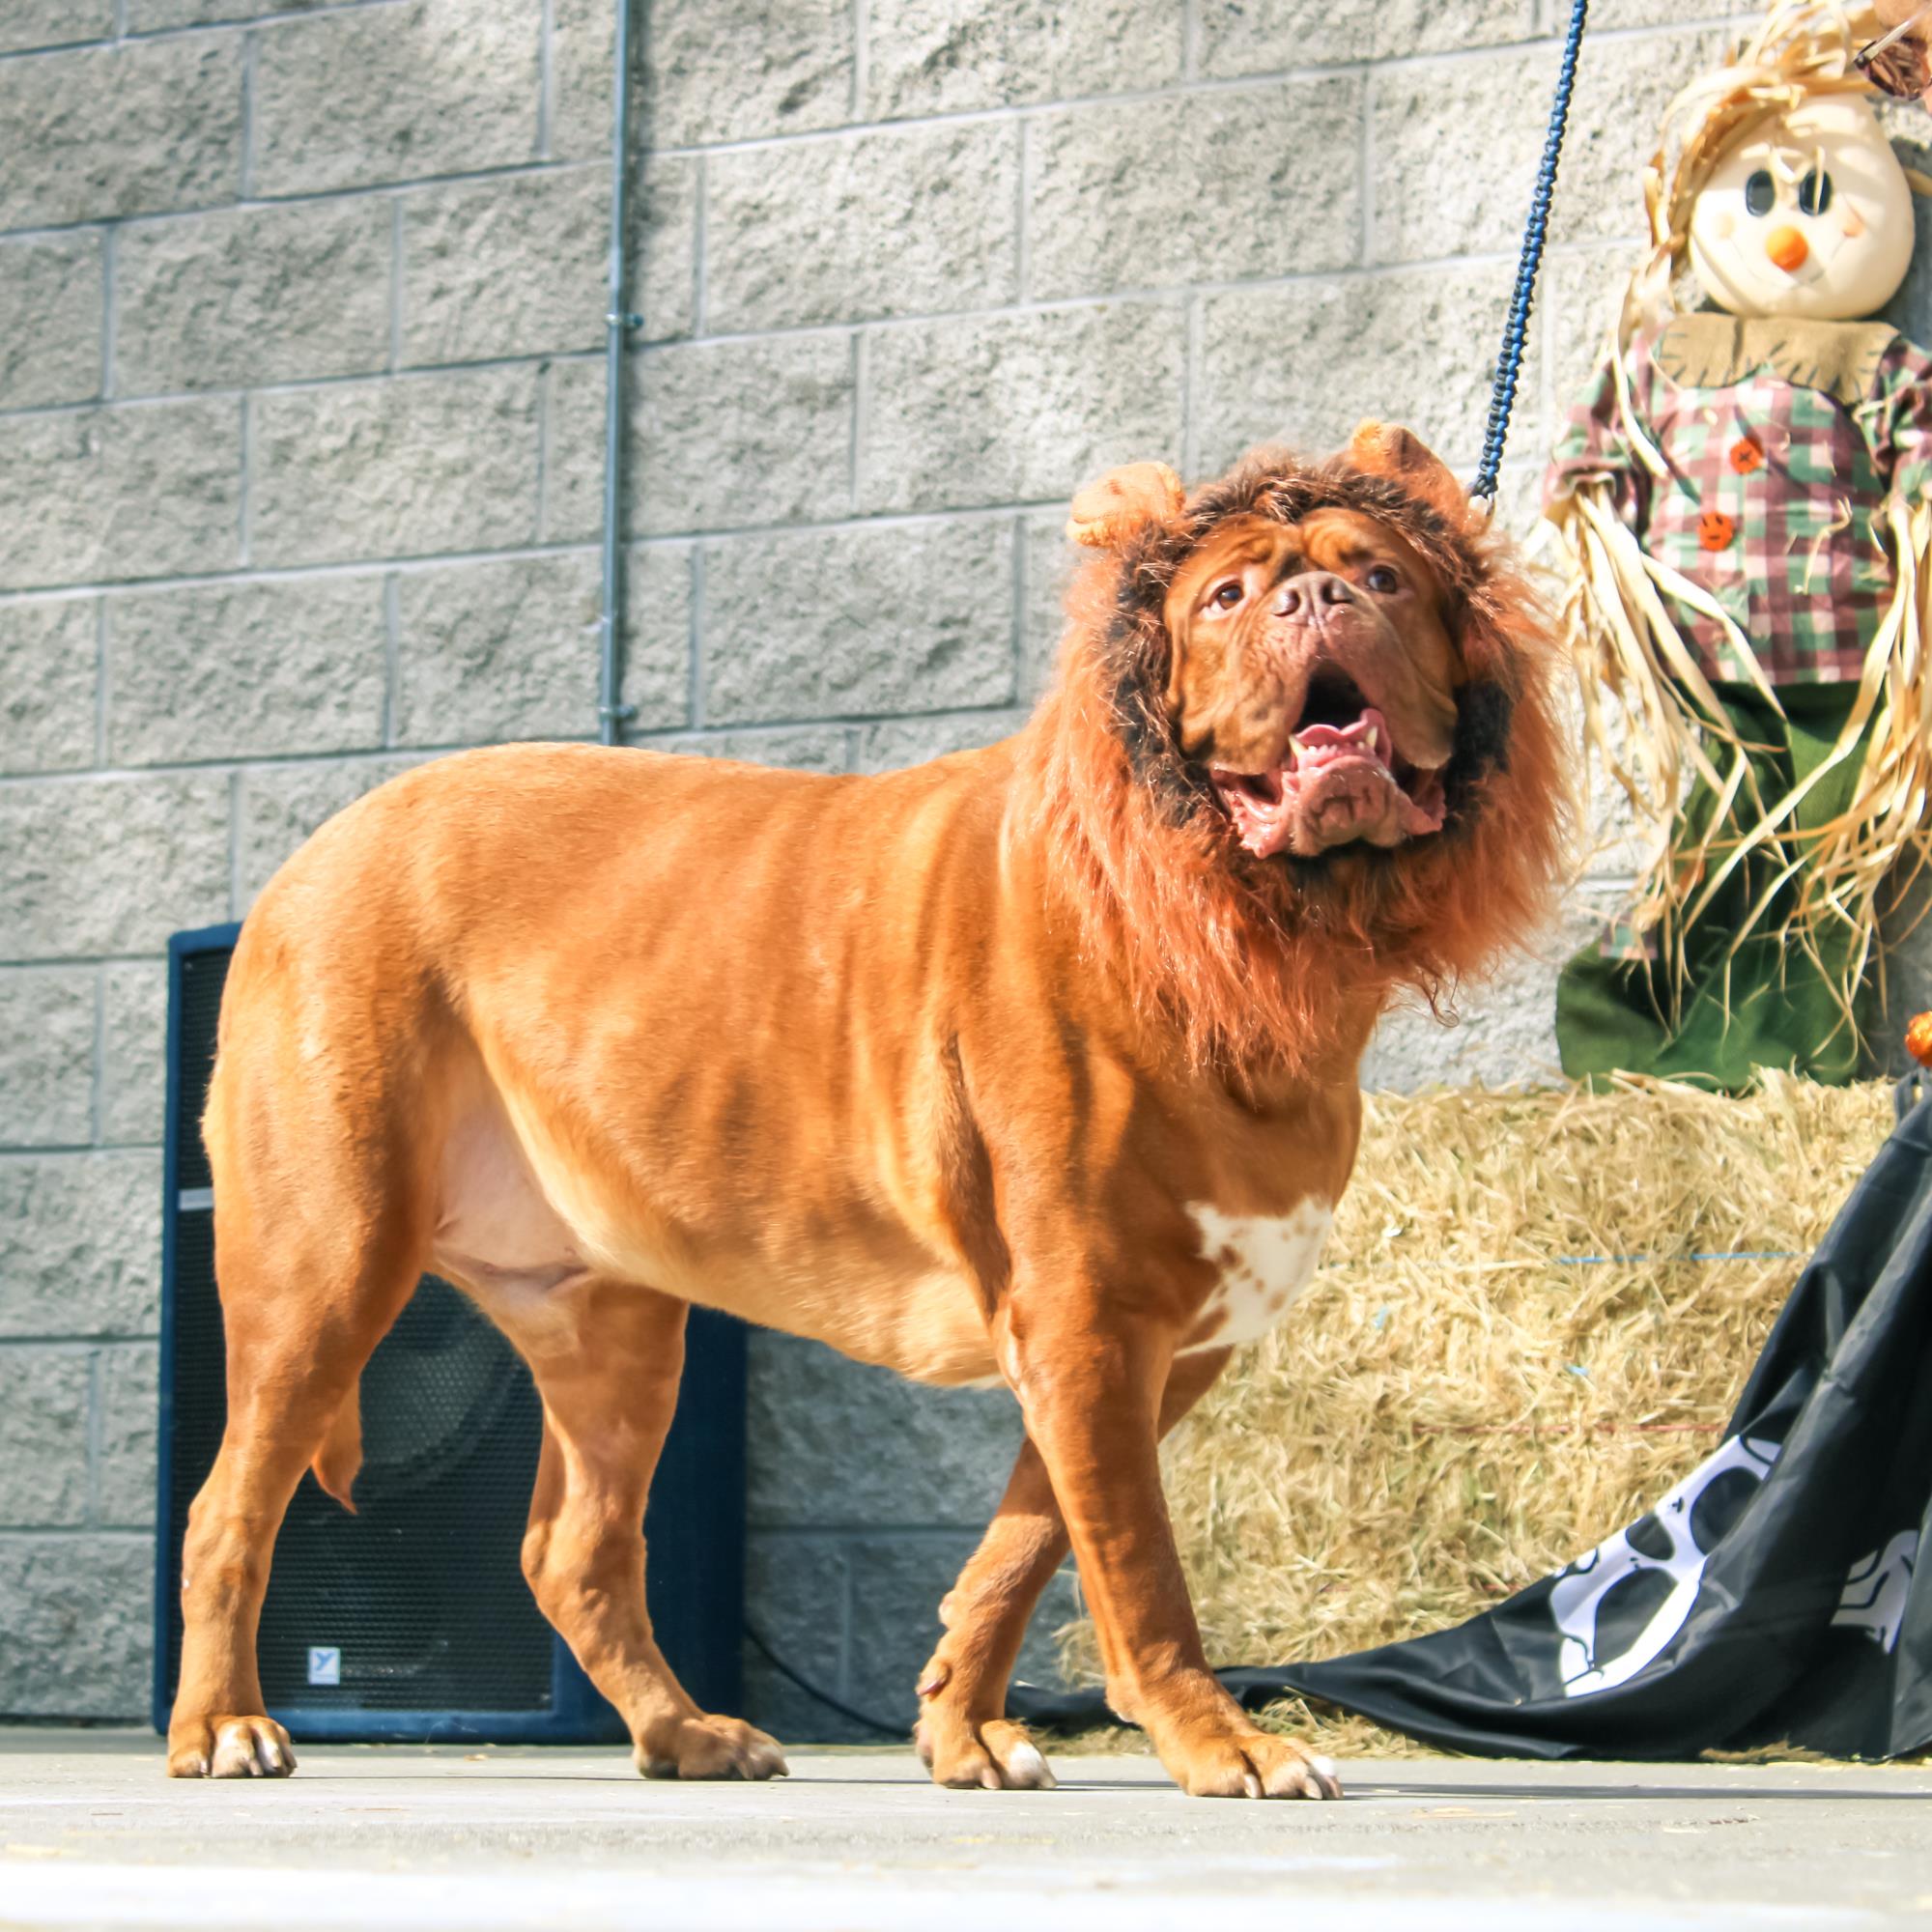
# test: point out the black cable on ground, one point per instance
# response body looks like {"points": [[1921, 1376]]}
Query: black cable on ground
{"points": [[812, 1689]]}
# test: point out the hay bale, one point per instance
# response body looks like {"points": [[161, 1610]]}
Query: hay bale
{"points": [[1509, 1350]]}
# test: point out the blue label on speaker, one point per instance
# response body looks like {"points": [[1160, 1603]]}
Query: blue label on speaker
{"points": [[324, 1664]]}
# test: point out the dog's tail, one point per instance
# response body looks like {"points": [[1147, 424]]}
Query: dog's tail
{"points": [[340, 1456]]}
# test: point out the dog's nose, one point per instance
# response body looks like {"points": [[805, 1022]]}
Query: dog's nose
{"points": [[1313, 594]]}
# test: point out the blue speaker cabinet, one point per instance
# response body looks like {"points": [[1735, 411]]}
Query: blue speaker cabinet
{"points": [[410, 1622]]}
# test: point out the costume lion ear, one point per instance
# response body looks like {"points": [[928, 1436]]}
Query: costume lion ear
{"points": [[1123, 502], [1386, 449]]}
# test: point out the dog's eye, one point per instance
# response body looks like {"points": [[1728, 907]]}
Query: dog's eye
{"points": [[1382, 581], [1225, 596]]}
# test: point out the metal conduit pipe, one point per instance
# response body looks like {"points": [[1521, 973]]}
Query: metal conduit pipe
{"points": [[618, 321]]}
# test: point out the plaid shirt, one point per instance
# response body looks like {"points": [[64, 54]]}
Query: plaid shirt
{"points": [[1774, 489]]}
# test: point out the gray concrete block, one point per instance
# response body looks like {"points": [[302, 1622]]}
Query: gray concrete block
{"points": [[662, 214], [738, 432], [149, 16], [657, 642], [837, 1444], [141, 491], [906, 617], [54, 23], [896, 1584], [1520, 485], [948, 56], [1583, 292], [1457, 144], [386, 94], [173, 109], [247, 669], [279, 805], [125, 1467], [46, 1057], [892, 223], [509, 266], [132, 1051], [1504, 1029], [510, 650], [721, 435], [1305, 363], [580, 54], [1048, 566], [44, 1405], [1644, 13], [797, 1597], [1240, 37], [406, 467], [1210, 186], [48, 664], [81, 1247], [894, 744], [797, 748], [1007, 408], [247, 296], [78, 1638], [741, 70], [50, 319], [110, 865], [571, 397]]}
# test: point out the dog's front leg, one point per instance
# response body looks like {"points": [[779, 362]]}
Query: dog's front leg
{"points": [[1090, 1375], [964, 1735]]}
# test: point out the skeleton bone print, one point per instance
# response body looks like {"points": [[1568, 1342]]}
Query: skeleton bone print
{"points": [[1620, 1607]]}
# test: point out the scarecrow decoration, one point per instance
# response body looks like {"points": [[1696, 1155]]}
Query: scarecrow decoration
{"points": [[1739, 503]]}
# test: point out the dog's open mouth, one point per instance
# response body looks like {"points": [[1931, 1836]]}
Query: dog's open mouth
{"points": [[1341, 778]]}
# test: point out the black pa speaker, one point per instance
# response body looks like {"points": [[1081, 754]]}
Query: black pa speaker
{"points": [[411, 1622]]}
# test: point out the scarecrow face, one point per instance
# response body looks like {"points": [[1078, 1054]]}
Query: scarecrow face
{"points": [[1809, 215]]}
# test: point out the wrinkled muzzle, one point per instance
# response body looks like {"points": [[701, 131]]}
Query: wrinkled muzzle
{"points": [[1361, 751]]}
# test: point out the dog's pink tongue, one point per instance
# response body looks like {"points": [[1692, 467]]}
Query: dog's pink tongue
{"points": [[1315, 744]]}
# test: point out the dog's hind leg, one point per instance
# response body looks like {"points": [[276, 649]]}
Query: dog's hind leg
{"points": [[607, 1357], [302, 1317], [964, 1735]]}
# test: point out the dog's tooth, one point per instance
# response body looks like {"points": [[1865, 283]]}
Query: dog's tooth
{"points": [[1375, 741], [1296, 747]]}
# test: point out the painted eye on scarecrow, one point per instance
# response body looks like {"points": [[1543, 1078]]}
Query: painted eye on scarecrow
{"points": [[1814, 191], [1760, 193]]}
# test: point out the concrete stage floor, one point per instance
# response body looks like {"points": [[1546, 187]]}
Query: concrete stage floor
{"points": [[365, 1839]]}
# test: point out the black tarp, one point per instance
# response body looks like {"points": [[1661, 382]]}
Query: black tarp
{"points": [[1772, 1594]]}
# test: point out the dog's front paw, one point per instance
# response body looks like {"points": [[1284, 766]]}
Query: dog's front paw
{"points": [[994, 1757], [706, 1746], [229, 1747], [1226, 1760]]}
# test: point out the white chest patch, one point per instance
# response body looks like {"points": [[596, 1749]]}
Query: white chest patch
{"points": [[1264, 1262]]}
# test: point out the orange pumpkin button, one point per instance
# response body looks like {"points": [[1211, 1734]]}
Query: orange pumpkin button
{"points": [[1746, 455], [1715, 529]]}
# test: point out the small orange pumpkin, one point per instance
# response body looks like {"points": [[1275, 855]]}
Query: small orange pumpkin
{"points": [[1918, 1040]]}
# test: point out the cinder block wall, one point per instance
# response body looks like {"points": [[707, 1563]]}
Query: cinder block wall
{"points": [[300, 459]]}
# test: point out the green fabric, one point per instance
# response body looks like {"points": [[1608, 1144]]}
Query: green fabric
{"points": [[1775, 1009]]}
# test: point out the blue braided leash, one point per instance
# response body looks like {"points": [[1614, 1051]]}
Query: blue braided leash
{"points": [[1515, 331]]}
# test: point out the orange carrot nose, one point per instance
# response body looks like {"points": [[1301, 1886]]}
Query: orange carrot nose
{"points": [[1787, 248]]}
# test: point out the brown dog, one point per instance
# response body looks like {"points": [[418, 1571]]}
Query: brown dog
{"points": [[1033, 1064]]}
